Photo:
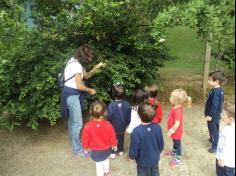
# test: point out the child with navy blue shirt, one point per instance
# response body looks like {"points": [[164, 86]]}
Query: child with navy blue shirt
{"points": [[119, 115], [213, 107], [146, 142]]}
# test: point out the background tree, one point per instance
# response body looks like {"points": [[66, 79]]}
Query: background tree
{"points": [[214, 21]]}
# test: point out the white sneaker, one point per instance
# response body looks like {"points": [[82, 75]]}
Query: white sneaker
{"points": [[121, 153], [112, 156]]}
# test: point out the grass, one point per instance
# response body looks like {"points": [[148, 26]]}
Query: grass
{"points": [[186, 68], [189, 52]]}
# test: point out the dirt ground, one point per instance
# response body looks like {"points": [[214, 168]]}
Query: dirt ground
{"points": [[48, 153]]}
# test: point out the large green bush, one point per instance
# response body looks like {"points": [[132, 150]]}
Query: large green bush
{"points": [[119, 32]]}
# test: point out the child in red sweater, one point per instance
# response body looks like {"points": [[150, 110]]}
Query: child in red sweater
{"points": [[153, 92], [99, 138], [175, 124]]}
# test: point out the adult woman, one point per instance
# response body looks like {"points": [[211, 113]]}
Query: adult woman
{"points": [[73, 90]]}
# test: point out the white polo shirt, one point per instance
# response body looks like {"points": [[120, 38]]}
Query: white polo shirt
{"points": [[73, 67], [226, 146]]}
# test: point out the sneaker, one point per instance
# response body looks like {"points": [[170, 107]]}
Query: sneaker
{"points": [[176, 163], [169, 154], [209, 140], [121, 153], [85, 154], [112, 156], [212, 150]]}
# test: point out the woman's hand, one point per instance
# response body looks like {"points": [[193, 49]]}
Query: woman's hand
{"points": [[92, 92], [100, 65]]}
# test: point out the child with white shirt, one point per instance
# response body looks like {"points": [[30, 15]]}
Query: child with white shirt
{"points": [[139, 97], [225, 156]]}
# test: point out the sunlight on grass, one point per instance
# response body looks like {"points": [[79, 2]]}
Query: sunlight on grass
{"points": [[188, 51]]}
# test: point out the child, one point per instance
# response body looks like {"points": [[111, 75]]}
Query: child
{"points": [[99, 137], [175, 124], [146, 142], [119, 114], [213, 107], [139, 96], [225, 154], [153, 92]]}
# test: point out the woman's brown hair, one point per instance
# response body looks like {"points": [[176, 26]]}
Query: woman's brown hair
{"points": [[84, 54]]}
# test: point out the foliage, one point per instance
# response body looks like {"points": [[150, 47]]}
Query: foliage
{"points": [[119, 32], [216, 17], [124, 33]]}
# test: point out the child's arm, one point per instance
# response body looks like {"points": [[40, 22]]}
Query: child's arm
{"points": [[214, 107], [159, 112], [113, 140], [134, 146], [222, 144], [174, 128], [128, 120], [161, 143]]}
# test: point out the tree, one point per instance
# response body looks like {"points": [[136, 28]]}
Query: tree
{"points": [[215, 22]]}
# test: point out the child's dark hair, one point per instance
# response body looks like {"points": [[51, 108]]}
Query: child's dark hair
{"points": [[153, 93], [229, 108], [146, 112], [118, 91], [140, 96], [98, 109], [218, 76]]}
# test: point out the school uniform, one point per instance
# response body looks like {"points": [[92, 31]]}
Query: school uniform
{"points": [[213, 108], [146, 145], [119, 115]]}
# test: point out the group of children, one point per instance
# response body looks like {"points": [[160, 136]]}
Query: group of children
{"points": [[103, 136]]}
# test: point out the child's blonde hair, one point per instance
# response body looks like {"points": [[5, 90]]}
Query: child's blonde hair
{"points": [[180, 97]]}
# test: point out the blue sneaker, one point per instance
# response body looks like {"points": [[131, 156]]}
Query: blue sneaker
{"points": [[212, 150], [86, 154]]}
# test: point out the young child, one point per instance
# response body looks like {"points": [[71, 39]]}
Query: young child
{"points": [[119, 114], [139, 97], [153, 100], [146, 142], [225, 155], [98, 137], [213, 107], [175, 124]]}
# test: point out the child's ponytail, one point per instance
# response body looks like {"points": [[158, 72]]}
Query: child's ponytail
{"points": [[189, 102]]}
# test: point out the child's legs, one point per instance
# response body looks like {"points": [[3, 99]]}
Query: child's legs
{"points": [[177, 148], [209, 130], [121, 139], [102, 167], [141, 172], [148, 171], [214, 131], [106, 166]]}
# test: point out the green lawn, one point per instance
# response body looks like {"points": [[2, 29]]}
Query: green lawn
{"points": [[186, 69], [188, 51]]}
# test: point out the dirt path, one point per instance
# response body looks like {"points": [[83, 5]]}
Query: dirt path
{"points": [[48, 153]]}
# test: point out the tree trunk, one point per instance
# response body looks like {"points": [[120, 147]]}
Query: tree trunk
{"points": [[207, 64]]}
